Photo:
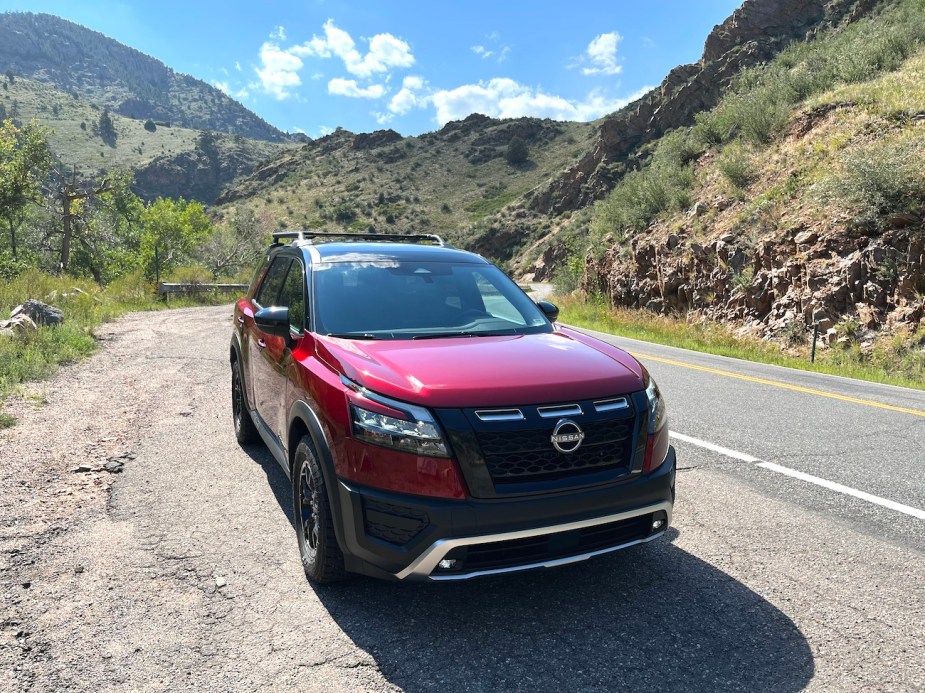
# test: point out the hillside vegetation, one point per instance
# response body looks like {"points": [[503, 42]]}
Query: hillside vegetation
{"points": [[168, 160], [75, 59], [795, 203], [452, 182]]}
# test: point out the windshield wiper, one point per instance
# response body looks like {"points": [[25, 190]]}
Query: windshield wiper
{"points": [[442, 335], [352, 335]]}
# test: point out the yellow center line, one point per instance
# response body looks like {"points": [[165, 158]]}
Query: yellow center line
{"points": [[785, 386]]}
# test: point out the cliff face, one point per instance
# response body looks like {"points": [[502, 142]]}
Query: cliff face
{"points": [[794, 280], [754, 33]]}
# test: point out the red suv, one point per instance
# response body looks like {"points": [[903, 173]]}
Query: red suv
{"points": [[435, 422]]}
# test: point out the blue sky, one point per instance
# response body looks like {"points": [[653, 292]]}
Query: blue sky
{"points": [[313, 65]]}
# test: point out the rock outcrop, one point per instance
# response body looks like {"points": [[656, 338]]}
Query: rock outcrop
{"points": [[777, 288]]}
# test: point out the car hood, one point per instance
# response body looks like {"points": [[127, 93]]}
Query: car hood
{"points": [[561, 366]]}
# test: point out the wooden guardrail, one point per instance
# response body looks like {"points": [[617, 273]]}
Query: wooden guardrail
{"points": [[167, 288]]}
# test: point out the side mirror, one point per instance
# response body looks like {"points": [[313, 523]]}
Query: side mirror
{"points": [[550, 310], [273, 320]]}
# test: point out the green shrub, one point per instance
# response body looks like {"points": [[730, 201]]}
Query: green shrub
{"points": [[734, 162], [517, 151], [877, 179], [190, 274], [568, 274], [640, 197]]}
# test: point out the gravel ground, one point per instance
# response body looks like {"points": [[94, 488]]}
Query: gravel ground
{"points": [[177, 567]]}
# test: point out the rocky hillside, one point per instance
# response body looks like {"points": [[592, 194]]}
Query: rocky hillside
{"points": [[88, 64], [168, 160], [461, 181], [753, 34], [796, 202]]}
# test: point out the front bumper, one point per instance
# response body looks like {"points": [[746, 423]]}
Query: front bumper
{"points": [[403, 537]]}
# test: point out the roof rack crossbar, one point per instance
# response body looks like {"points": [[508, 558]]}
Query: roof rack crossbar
{"points": [[301, 236]]}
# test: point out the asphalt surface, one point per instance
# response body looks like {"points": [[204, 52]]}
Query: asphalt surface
{"points": [[865, 436], [182, 571]]}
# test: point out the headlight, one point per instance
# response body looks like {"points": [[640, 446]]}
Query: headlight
{"points": [[657, 412], [417, 434]]}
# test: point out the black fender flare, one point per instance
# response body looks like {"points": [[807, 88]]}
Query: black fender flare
{"points": [[235, 346], [301, 411]]}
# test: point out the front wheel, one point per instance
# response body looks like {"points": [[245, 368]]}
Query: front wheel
{"points": [[321, 556]]}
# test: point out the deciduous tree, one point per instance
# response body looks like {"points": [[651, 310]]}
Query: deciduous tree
{"points": [[172, 230], [24, 162]]}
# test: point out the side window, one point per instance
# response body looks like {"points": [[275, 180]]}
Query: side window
{"points": [[268, 293], [294, 296]]}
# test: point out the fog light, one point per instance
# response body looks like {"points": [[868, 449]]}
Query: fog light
{"points": [[657, 525], [447, 564]]}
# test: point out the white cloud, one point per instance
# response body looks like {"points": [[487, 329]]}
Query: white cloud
{"points": [[349, 87], [222, 86], [505, 98], [408, 97], [385, 51], [602, 55], [493, 48], [237, 66], [324, 130], [279, 71]]}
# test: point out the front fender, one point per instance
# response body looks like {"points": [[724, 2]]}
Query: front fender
{"points": [[301, 412]]}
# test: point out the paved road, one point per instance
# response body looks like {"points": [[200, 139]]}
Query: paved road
{"points": [[182, 571], [864, 436]]}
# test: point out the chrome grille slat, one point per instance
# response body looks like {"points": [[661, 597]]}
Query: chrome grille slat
{"points": [[499, 414], [615, 404], [559, 410]]}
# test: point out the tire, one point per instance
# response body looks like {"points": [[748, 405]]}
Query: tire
{"points": [[321, 556], [244, 429]]}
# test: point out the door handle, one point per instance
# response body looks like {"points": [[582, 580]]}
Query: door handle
{"points": [[262, 344]]}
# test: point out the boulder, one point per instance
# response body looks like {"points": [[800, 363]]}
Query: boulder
{"points": [[19, 323], [41, 313]]}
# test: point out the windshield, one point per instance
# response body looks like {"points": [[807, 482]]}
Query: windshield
{"points": [[402, 299]]}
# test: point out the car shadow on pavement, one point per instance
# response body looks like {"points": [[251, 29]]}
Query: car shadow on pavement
{"points": [[652, 617]]}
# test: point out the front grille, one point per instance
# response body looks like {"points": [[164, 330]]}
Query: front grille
{"points": [[395, 524], [517, 552], [519, 456]]}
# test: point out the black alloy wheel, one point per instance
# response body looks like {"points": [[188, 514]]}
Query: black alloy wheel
{"points": [[321, 556]]}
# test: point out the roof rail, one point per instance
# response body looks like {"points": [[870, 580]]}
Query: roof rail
{"points": [[310, 236], [295, 235]]}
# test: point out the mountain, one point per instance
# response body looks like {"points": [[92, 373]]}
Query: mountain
{"points": [[775, 185], [752, 35], [79, 61], [168, 160], [454, 182], [793, 204]]}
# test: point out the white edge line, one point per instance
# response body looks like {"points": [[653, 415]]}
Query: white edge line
{"points": [[848, 491], [802, 476], [734, 454]]}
